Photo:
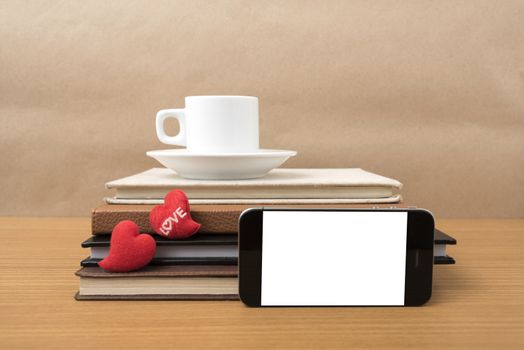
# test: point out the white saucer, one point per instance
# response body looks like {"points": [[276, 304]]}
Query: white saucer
{"points": [[222, 166]]}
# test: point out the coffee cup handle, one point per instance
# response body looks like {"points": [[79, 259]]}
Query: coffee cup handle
{"points": [[178, 114]]}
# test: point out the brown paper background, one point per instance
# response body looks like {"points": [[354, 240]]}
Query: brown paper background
{"points": [[428, 92]]}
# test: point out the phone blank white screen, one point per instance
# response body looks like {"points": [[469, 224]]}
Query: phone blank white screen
{"points": [[333, 258]]}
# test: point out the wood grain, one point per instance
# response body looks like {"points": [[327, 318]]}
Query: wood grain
{"points": [[478, 303]]}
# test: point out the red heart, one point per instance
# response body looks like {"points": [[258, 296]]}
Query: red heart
{"points": [[129, 250], [173, 219]]}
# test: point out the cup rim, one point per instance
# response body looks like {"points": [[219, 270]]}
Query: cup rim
{"points": [[222, 96]]}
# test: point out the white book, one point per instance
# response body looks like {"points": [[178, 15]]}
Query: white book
{"points": [[284, 183], [260, 201]]}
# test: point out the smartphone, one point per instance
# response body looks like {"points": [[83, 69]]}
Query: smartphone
{"points": [[335, 257]]}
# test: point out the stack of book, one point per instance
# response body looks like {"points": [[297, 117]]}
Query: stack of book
{"points": [[204, 266]]}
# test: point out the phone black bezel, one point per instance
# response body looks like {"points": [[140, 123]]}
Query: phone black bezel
{"points": [[419, 254]]}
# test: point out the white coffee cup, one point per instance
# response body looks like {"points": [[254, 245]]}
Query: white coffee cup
{"points": [[213, 124]]}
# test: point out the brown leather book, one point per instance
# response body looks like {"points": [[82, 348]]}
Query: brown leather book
{"points": [[194, 282], [213, 218]]}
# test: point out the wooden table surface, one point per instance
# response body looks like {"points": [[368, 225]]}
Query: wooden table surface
{"points": [[477, 303]]}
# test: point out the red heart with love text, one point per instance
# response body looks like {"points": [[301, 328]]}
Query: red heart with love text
{"points": [[129, 250], [173, 219]]}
